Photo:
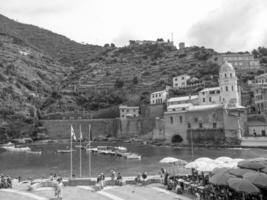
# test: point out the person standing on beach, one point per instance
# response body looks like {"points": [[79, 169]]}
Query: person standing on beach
{"points": [[102, 179], [58, 192]]}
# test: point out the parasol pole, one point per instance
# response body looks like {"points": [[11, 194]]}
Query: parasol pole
{"points": [[89, 153], [80, 151], [71, 152]]}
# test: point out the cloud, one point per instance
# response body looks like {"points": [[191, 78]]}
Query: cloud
{"points": [[234, 26]]}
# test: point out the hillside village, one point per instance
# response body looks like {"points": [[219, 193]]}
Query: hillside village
{"points": [[46, 76]]}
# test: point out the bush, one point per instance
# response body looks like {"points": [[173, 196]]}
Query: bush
{"points": [[119, 83]]}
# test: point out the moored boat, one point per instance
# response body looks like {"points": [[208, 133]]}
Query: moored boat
{"points": [[65, 150]]}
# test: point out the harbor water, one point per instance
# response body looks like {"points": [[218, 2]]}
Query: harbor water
{"points": [[31, 165]]}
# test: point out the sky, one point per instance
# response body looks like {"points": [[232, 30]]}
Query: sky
{"points": [[224, 25]]}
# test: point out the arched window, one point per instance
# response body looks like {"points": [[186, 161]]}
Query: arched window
{"points": [[226, 88], [225, 75], [171, 120], [231, 75], [232, 88]]}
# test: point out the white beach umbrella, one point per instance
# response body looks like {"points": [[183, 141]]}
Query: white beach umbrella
{"points": [[223, 159], [195, 164], [204, 159], [208, 167]]}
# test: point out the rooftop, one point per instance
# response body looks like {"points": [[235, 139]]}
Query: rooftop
{"points": [[124, 106], [227, 67], [210, 89], [184, 98], [205, 107], [183, 105]]}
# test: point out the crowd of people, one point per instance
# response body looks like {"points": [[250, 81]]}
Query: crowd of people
{"points": [[5, 181], [198, 186]]}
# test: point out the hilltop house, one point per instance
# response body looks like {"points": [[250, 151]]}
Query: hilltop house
{"points": [[240, 61], [180, 81], [128, 111], [159, 97], [209, 96]]}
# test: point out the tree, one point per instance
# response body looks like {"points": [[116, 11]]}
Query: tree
{"points": [[135, 80], [106, 45], [119, 83], [112, 45]]}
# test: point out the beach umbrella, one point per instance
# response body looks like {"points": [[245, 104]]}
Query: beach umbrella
{"points": [[255, 165], [206, 167], [204, 159], [239, 172], [224, 159], [227, 165], [258, 179], [219, 170], [195, 164], [238, 160], [242, 185], [220, 179]]}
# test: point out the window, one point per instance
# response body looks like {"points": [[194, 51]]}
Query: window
{"points": [[182, 78], [181, 119], [232, 88], [196, 119], [122, 115], [122, 110], [203, 99], [173, 109], [214, 125], [210, 99], [127, 110], [226, 88], [171, 120], [188, 125], [200, 125], [225, 75], [231, 75], [263, 133], [134, 115]]}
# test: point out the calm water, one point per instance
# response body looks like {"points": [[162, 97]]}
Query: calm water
{"points": [[30, 165]]}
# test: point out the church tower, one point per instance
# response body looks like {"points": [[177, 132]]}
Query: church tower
{"points": [[229, 92]]}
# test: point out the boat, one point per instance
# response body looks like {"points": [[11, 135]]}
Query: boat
{"points": [[133, 156], [17, 149], [65, 150], [35, 152]]}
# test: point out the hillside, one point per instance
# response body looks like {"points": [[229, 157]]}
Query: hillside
{"points": [[57, 46], [27, 78]]}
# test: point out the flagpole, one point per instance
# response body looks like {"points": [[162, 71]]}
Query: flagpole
{"points": [[71, 152], [80, 151], [89, 146]]}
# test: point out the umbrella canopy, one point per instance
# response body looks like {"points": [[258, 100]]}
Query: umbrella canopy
{"points": [[195, 164], [207, 167], [222, 170], [224, 159], [239, 172], [258, 179], [255, 165], [169, 160], [242, 185], [220, 179], [204, 159]]}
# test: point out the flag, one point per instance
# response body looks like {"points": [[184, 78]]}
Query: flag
{"points": [[72, 133], [81, 135]]}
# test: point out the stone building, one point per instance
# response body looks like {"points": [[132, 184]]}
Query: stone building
{"points": [[240, 61], [159, 97], [180, 81], [128, 111], [218, 118]]}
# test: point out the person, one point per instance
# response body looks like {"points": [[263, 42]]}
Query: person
{"points": [[166, 176], [119, 179], [197, 196], [102, 179], [138, 179], [144, 177], [58, 189], [9, 182], [162, 175], [113, 175]]}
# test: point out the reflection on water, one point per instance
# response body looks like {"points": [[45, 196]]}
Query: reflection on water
{"points": [[30, 165]]}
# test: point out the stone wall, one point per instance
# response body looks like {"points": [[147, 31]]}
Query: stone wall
{"points": [[60, 129]]}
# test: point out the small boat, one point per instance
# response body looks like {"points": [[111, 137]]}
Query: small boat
{"points": [[79, 146], [65, 150], [132, 156], [11, 147]]}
